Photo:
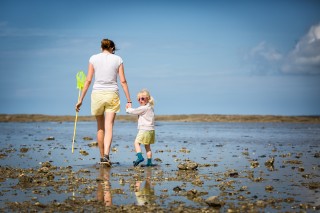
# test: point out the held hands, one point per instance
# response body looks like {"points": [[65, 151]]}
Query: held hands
{"points": [[128, 105], [78, 105]]}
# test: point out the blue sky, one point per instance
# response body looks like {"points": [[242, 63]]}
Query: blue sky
{"points": [[195, 57]]}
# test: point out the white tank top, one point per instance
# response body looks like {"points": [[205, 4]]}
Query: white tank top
{"points": [[106, 66]]}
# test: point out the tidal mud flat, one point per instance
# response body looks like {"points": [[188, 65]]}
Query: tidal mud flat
{"points": [[200, 167], [175, 118]]}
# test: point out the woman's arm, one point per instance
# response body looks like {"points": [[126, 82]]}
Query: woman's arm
{"points": [[86, 86], [124, 85]]}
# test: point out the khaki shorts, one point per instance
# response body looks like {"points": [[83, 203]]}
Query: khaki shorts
{"points": [[145, 137], [104, 101]]}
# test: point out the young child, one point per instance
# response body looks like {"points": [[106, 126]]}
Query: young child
{"points": [[146, 133]]}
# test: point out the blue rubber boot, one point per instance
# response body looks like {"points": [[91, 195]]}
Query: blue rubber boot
{"points": [[149, 162], [139, 159]]}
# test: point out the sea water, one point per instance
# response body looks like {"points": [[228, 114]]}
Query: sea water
{"points": [[222, 146]]}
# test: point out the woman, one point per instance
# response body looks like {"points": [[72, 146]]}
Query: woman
{"points": [[105, 101]]}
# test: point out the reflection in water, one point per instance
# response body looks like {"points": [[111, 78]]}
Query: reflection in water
{"points": [[145, 192], [104, 185]]}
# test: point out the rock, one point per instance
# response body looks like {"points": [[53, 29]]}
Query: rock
{"points": [[299, 155], [231, 173], [246, 153], [269, 162], [197, 182], [177, 189], [198, 199], [241, 197], [50, 138], [44, 170], [50, 176], [98, 179], [83, 152], [93, 144], [24, 150], [40, 205], [261, 203], [312, 185], [87, 138], [46, 164], [188, 166], [184, 150], [122, 181], [269, 188], [289, 200], [292, 162], [317, 155], [214, 201], [157, 160], [254, 164], [244, 188], [307, 176], [24, 178], [258, 179], [192, 193]]}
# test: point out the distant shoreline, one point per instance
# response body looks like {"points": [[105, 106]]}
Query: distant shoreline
{"points": [[173, 118]]}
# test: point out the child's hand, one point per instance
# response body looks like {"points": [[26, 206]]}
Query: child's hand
{"points": [[128, 105]]}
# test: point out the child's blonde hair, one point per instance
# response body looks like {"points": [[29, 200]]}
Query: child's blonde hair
{"points": [[146, 93]]}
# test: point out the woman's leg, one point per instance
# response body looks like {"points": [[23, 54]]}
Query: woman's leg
{"points": [[109, 121], [100, 133]]}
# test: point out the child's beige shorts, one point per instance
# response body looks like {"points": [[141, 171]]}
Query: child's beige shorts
{"points": [[145, 137], [104, 101]]}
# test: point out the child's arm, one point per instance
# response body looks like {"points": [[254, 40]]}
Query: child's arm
{"points": [[136, 111]]}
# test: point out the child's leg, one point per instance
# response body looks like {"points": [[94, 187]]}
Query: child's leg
{"points": [[149, 154], [148, 150], [139, 154], [137, 146]]}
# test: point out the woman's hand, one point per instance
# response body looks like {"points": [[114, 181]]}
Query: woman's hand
{"points": [[78, 105]]}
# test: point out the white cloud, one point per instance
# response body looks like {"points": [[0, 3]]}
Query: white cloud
{"points": [[6, 31], [264, 59], [305, 58], [266, 52]]}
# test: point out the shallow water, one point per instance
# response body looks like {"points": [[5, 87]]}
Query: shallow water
{"points": [[216, 147]]}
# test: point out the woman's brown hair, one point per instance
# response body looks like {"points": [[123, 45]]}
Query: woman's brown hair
{"points": [[106, 44]]}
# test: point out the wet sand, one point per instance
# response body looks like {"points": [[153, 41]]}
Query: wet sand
{"points": [[199, 167], [176, 118]]}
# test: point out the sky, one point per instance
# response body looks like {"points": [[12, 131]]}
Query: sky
{"points": [[195, 57]]}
